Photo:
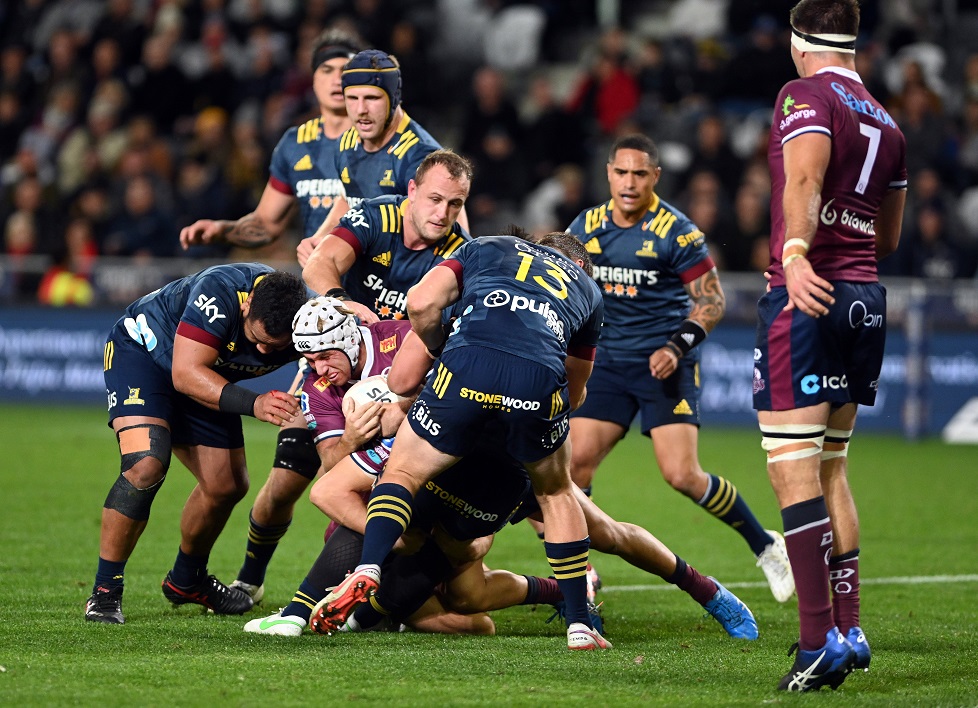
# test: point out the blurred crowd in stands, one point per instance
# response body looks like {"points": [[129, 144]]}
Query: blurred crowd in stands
{"points": [[123, 120]]}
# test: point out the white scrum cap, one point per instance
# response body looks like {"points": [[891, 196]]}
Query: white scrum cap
{"points": [[324, 323]]}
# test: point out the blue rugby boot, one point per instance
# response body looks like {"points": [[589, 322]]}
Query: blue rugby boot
{"points": [[859, 644], [732, 614], [826, 666]]}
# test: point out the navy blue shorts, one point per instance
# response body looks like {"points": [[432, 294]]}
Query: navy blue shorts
{"points": [[473, 386], [800, 361], [473, 498], [619, 390], [135, 385]]}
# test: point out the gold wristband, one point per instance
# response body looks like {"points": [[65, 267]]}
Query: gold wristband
{"points": [[792, 257]]}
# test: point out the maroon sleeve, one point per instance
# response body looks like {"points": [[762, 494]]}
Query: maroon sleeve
{"points": [[189, 331], [348, 236], [455, 267], [280, 186], [582, 351], [691, 274]]}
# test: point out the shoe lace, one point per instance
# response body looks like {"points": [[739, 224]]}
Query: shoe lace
{"points": [[593, 611], [109, 600]]}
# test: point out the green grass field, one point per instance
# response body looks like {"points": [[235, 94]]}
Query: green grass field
{"points": [[918, 505]]}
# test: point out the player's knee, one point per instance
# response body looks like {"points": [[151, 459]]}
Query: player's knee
{"points": [[295, 451], [681, 476], [836, 444], [145, 452], [792, 442]]}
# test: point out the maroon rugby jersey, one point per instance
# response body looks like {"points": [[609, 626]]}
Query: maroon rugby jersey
{"points": [[323, 403], [868, 159]]}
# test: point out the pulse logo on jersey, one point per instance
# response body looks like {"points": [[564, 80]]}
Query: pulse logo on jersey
{"points": [[501, 298], [206, 305], [813, 384]]}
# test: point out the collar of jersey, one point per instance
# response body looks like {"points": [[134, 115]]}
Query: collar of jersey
{"points": [[842, 71]]}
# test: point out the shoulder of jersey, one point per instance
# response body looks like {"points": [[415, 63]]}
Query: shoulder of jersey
{"points": [[409, 134], [308, 132], [668, 221], [349, 140]]}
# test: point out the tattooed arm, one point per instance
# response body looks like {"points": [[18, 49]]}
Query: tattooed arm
{"points": [[708, 300], [709, 304], [259, 228]]}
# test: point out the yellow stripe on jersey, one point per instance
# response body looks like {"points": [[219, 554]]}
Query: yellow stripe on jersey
{"points": [[349, 139], [661, 224], [242, 296], [390, 218], [451, 244], [308, 131], [595, 218], [107, 355], [442, 379]]}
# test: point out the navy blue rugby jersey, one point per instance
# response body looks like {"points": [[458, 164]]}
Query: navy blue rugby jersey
{"points": [[304, 166], [385, 268], [386, 171], [525, 300], [641, 271], [205, 307]]}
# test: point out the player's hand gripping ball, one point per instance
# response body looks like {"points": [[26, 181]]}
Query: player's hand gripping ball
{"points": [[372, 388]]}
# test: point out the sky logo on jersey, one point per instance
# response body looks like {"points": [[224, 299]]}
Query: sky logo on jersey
{"points": [[206, 305], [356, 217], [867, 108]]}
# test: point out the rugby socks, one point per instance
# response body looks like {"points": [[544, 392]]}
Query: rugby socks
{"points": [[844, 580], [262, 542], [339, 556], [808, 536], [696, 585], [109, 575], [724, 501], [388, 516], [569, 563], [541, 591], [188, 570]]}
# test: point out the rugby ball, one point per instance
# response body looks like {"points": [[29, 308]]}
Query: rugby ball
{"points": [[372, 388]]}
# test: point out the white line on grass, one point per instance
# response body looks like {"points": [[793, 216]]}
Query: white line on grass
{"points": [[898, 580]]}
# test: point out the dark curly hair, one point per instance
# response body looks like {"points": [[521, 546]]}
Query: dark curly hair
{"points": [[275, 300]]}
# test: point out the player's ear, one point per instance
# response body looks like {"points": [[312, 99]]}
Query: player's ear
{"points": [[412, 188]]}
